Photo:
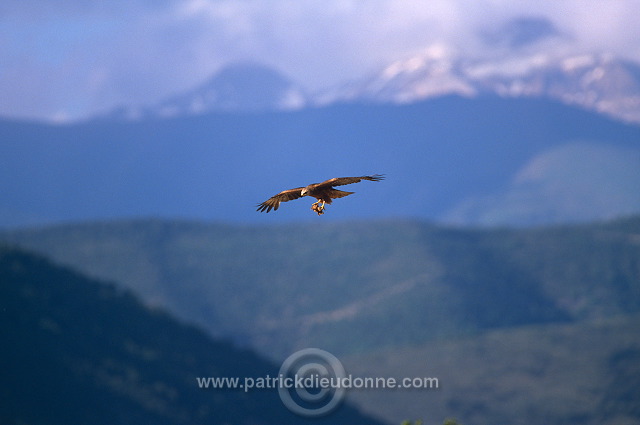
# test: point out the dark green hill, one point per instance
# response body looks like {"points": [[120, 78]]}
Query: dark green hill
{"points": [[76, 351], [358, 286], [523, 326]]}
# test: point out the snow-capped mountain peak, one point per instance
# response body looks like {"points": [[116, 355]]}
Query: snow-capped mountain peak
{"points": [[594, 81], [434, 72], [437, 57], [599, 82]]}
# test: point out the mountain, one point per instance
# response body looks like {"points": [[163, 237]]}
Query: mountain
{"points": [[553, 184], [445, 159], [288, 287], [77, 351], [572, 374], [597, 82], [241, 86], [523, 326]]}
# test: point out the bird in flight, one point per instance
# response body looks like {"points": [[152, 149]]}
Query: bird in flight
{"points": [[324, 193]]}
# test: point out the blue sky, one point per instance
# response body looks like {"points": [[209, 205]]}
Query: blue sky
{"points": [[68, 59]]}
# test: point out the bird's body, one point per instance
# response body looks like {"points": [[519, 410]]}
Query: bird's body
{"points": [[324, 193]]}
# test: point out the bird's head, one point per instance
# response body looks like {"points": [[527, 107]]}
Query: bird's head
{"points": [[304, 192]]}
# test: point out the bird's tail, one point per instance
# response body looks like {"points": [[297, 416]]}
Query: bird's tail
{"points": [[335, 193]]}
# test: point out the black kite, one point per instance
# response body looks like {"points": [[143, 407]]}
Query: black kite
{"points": [[324, 192]]}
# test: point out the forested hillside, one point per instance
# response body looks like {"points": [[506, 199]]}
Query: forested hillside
{"points": [[77, 351], [389, 283]]}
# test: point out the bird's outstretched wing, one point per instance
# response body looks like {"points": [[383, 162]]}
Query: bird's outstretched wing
{"points": [[273, 203], [340, 181]]}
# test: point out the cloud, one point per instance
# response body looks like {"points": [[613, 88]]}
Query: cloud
{"points": [[76, 58], [520, 32]]}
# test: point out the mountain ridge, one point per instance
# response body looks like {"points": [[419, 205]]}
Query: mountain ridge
{"points": [[598, 82], [236, 87], [445, 279], [440, 156], [80, 351], [400, 298]]}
